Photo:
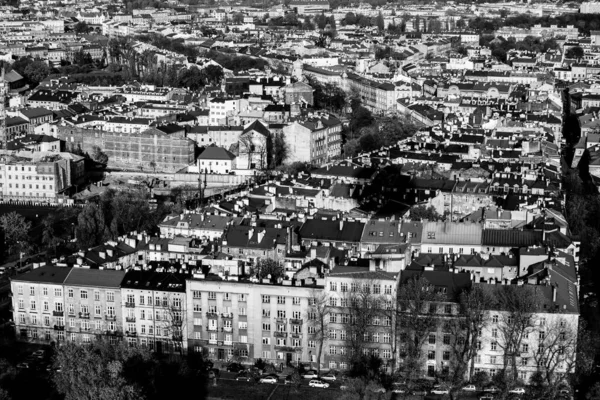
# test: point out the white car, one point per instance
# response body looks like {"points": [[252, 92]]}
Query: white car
{"points": [[469, 388], [517, 391], [399, 388], [440, 390], [23, 365], [318, 383], [329, 377], [269, 379], [312, 374]]}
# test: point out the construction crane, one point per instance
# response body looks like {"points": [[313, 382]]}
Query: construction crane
{"points": [[3, 94]]}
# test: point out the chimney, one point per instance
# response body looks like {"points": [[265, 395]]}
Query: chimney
{"points": [[313, 253], [341, 224]]}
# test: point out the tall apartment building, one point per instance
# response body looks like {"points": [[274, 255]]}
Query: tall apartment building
{"points": [[154, 309], [39, 304], [92, 304], [316, 140], [246, 321]]}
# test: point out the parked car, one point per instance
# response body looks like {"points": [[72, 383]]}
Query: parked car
{"points": [[38, 354], [268, 379], [419, 392], [440, 390], [310, 374], [399, 388], [518, 390], [288, 380], [469, 388], [23, 365], [378, 390], [243, 376], [235, 367], [330, 377], [491, 389], [318, 383]]}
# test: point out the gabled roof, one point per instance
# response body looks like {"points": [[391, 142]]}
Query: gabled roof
{"points": [[324, 229], [45, 274], [216, 153], [258, 127], [95, 277]]}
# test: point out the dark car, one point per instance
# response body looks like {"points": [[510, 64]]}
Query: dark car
{"points": [[235, 367], [244, 376], [419, 392]]}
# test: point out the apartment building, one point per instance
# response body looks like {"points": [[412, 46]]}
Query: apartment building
{"points": [[195, 225], [245, 321], [154, 309], [93, 304], [39, 177], [371, 330], [315, 140], [38, 304]]}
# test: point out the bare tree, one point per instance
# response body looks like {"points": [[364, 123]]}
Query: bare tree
{"points": [[417, 318], [246, 145], [557, 349], [517, 318], [173, 321], [465, 330], [318, 319]]}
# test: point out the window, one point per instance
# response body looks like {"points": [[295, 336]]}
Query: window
{"points": [[332, 350], [388, 289], [296, 301], [495, 319], [524, 361], [448, 309], [96, 295], [333, 318], [83, 294], [57, 292], [525, 348], [332, 302], [46, 306], [332, 334], [266, 313], [45, 291], [494, 346], [241, 311], [494, 332], [333, 286], [32, 291], [110, 296], [266, 340], [32, 305], [446, 339], [432, 339], [343, 287], [266, 327], [98, 310], [70, 293], [446, 356], [280, 313], [431, 355], [212, 295], [542, 335], [312, 344], [492, 359], [280, 300], [377, 289], [266, 298]]}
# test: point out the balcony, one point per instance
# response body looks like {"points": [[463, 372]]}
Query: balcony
{"points": [[59, 327], [85, 329], [58, 313], [178, 338], [212, 314], [129, 319], [227, 315], [212, 341], [281, 320], [227, 343], [114, 333], [211, 328], [227, 329], [280, 334], [297, 335], [296, 321], [110, 317], [84, 315], [130, 305], [131, 333]]}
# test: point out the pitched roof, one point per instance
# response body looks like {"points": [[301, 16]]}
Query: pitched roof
{"points": [[339, 231], [45, 274], [510, 238], [216, 153], [95, 277]]}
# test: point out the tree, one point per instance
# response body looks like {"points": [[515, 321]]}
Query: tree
{"points": [[99, 156], [58, 227], [380, 22], [267, 268], [16, 232], [279, 151], [36, 72], [82, 27], [421, 213], [350, 18], [465, 328], [575, 52], [91, 226], [417, 317], [318, 318], [96, 371], [213, 74], [238, 18], [517, 307]]}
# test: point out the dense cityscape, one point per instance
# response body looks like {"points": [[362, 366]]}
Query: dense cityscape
{"points": [[307, 199]]}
